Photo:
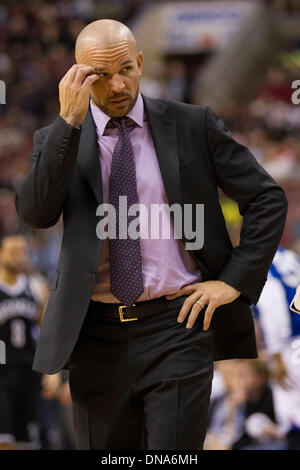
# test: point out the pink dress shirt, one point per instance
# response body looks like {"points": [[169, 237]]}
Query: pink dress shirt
{"points": [[166, 264]]}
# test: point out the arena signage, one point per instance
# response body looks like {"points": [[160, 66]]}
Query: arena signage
{"points": [[191, 26]]}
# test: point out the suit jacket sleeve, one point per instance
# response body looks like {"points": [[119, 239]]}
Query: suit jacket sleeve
{"points": [[40, 198], [261, 202]]}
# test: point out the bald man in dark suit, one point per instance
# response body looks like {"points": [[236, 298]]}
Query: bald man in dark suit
{"points": [[140, 322]]}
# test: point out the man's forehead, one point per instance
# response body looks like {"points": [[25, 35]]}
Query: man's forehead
{"points": [[110, 52], [101, 59], [100, 66]]}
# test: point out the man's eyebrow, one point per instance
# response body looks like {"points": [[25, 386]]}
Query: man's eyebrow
{"points": [[100, 69], [125, 62], [103, 69]]}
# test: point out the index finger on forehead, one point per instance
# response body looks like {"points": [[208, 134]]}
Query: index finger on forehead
{"points": [[83, 68]]}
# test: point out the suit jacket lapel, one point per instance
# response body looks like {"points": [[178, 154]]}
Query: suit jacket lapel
{"points": [[163, 128], [88, 156], [164, 134]]}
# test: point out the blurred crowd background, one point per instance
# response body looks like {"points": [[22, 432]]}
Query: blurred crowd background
{"points": [[250, 89]]}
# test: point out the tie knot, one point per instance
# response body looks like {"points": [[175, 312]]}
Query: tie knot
{"points": [[121, 123]]}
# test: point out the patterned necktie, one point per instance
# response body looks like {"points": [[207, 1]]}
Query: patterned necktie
{"points": [[125, 254]]}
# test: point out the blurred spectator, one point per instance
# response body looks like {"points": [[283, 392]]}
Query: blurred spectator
{"points": [[260, 428], [242, 414], [177, 81], [154, 83], [280, 329], [59, 433], [226, 416], [22, 301], [276, 86]]}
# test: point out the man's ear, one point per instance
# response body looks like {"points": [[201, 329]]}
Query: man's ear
{"points": [[140, 61]]}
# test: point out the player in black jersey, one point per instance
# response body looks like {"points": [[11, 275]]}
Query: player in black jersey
{"points": [[21, 306]]}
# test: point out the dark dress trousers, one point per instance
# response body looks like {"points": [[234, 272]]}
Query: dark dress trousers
{"points": [[196, 155], [143, 384]]}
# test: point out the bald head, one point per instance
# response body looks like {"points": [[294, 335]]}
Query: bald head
{"points": [[103, 34], [110, 47]]}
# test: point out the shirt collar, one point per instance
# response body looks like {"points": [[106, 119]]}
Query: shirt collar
{"points": [[101, 119]]}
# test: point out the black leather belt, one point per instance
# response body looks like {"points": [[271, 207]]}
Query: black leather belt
{"points": [[124, 313]]}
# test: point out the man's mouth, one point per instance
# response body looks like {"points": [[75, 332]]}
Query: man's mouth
{"points": [[119, 100]]}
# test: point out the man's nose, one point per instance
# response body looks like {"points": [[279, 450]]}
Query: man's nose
{"points": [[117, 84]]}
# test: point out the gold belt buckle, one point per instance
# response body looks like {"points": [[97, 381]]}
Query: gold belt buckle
{"points": [[121, 314]]}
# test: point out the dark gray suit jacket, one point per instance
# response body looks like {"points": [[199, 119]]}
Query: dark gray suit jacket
{"points": [[196, 155]]}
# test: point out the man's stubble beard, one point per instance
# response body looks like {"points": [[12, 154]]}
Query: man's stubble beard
{"points": [[106, 111]]}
